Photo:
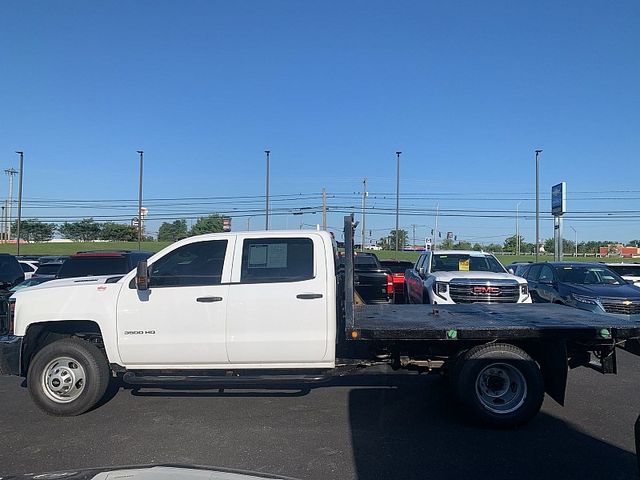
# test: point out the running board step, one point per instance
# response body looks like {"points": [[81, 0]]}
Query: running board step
{"points": [[225, 381]]}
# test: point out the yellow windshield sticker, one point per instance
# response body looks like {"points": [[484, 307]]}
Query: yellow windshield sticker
{"points": [[463, 265]]}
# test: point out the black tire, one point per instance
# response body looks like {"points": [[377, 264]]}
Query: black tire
{"points": [[499, 385], [88, 364]]}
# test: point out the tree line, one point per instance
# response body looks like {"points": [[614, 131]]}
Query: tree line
{"points": [[509, 245], [88, 230]]}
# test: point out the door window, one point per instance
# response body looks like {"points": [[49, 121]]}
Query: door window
{"points": [[533, 272], [194, 264], [276, 260], [546, 275]]}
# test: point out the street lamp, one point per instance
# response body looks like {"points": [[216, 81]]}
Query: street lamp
{"points": [[21, 155], [576, 240], [266, 207], [397, 203], [538, 152], [141, 153]]}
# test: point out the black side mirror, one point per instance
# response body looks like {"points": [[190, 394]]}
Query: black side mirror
{"points": [[142, 276], [421, 271]]}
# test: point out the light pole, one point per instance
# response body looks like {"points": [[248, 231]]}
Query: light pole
{"points": [[266, 207], [518, 228], [141, 153], [10, 172], [364, 206], [538, 152], [21, 155], [575, 240], [397, 203]]}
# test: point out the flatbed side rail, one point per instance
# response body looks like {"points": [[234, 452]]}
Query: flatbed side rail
{"points": [[349, 315]]}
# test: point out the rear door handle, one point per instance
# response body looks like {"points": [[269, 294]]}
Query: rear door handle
{"points": [[208, 299], [308, 296]]}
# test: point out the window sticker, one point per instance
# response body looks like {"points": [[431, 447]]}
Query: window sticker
{"points": [[463, 264]]}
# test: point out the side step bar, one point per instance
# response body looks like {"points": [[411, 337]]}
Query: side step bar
{"points": [[225, 381]]}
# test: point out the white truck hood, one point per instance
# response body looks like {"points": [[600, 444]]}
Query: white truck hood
{"points": [[66, 282], [448, 276]]}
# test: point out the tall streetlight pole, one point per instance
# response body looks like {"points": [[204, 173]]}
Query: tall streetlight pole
{"points": [[518, 228], [364, 206], [576, 240], [21, 155], [538, 152], [141, 153], [266, 207], [397, 203], [10, 172]]}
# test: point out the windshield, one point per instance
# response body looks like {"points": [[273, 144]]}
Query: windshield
{"points": [[460, 262], [588, 275], [626, 270], [48, 269], [91, 266]]}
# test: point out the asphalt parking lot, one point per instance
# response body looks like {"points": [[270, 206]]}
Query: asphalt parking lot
{"points": [[386, 426]]}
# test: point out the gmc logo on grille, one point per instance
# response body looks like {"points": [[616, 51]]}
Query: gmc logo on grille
{"points": [[484, 290]]}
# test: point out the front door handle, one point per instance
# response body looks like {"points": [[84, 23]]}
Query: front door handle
{"points": [[208, 299], [308, 296]]}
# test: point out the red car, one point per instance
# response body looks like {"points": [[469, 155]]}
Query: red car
{"points": [[397, 268]]}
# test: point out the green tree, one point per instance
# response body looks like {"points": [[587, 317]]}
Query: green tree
{"points": [[118, 232], [33, 230], [170, 232], [634, 243], [446, 244], [402, 239], [210, 224], [511, 245], [463, 245], [85, 230], [477, 247]]}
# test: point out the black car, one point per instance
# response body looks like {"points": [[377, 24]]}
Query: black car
{"points": [[517, 268], [11, 272], [111, 262], [588, 286]]}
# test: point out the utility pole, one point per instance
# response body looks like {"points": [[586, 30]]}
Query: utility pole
{"points": [[397, 203], [364, 205], [4, 222], [413, 245], [576, 240], [538, 152], [435, 231], [248, 224], [21, 155], [10, 172], [324, 209], [266, 207], [518, 228], [141, 153]]}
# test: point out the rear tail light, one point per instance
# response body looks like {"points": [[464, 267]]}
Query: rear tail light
{"points": [[389, 284]]}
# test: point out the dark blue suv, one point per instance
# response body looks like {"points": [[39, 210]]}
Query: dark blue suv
{"points": [[588, 286]]}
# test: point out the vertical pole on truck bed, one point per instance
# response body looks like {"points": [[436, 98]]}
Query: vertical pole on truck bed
{"points": [[348, 272]]}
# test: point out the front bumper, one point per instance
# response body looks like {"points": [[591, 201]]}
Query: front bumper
{"points": [[10, 348]]}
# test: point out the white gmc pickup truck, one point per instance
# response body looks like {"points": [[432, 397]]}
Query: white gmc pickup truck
{"points": [[267, 309]]}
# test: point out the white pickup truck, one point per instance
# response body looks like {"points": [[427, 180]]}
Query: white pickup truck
{"points": [[266, 309]]}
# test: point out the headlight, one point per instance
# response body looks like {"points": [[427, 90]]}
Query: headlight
{"points": [[440, 287], [524, 289], [583, 299], [11, 310]]}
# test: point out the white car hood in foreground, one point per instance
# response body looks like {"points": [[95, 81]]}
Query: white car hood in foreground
{"points": [[448, 276], [67, 282]]}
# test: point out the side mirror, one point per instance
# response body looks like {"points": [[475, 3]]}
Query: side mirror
{"points": [[511, 271], [421, 271], [142, 276]]}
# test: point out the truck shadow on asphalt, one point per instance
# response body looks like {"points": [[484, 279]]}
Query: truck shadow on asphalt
{"points": [[408, 432]]}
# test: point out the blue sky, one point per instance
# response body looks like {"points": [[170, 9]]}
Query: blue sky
{"points": [[466, 90]]}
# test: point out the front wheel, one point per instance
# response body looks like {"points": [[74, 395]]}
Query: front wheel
{"points": [[499, 385], [68, 377]]}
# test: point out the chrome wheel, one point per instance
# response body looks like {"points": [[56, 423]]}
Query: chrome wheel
{"points": [[63, 379], [501, 388]]}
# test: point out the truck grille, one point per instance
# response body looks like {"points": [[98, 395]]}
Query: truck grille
{"points": [[484, 292], [619, 306]]}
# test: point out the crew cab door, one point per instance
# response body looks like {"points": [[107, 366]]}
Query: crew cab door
{"points": [[278, 310], [415, 282], [180, 319]]}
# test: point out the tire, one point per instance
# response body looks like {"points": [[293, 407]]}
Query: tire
{"points": [[499, 385], [68, 377]]}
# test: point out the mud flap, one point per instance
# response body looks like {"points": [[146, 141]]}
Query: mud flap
{"points": [[554, 368]]}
